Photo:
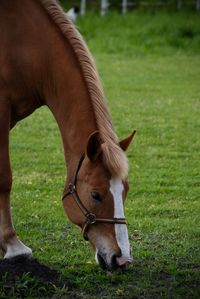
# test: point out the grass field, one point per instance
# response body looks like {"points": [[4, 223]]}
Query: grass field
{"points": [[150, 68]]}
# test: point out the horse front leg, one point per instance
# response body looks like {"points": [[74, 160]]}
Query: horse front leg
{"points": [[9, 243]]}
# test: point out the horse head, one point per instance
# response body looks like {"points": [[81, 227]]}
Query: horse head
{"points": [[94, 200]]}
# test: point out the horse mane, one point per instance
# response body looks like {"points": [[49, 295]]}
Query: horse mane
{"points": [[113, 156]]}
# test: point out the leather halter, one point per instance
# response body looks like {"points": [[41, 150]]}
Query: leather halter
{"points": [[90, 218]]}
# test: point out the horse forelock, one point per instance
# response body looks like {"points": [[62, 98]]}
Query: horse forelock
{"points": [[113, 157], [115, 160]]}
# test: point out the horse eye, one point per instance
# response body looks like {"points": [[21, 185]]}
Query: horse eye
{"points": [[96, 196]]}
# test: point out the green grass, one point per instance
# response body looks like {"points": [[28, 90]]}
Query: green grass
{"points": [[138, 34], [150, 68]]}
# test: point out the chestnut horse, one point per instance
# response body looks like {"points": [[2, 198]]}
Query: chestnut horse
{"points": [[44, 61]]}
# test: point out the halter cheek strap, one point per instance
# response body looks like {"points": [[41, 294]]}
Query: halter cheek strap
{"points": [[90, 218]]}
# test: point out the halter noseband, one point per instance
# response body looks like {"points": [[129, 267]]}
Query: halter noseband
{"points": [[90, 218]]}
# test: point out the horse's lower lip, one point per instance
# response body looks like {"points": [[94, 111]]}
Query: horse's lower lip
{"points": [[101, 261]]}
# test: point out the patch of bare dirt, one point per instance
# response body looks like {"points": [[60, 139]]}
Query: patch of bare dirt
{"points": [[17, 266]]}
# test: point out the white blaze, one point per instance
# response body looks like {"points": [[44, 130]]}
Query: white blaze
{"points": [[116, 188]]}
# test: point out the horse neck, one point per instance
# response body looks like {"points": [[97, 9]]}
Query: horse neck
{"points": [[69, 100]]}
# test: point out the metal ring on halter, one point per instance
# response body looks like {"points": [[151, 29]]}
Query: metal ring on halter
{"points": [[90, 218], [71, 188]]}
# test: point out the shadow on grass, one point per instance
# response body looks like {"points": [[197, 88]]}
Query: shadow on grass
{"points": [[23, 277]]}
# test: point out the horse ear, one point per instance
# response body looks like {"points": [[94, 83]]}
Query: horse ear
{"points": [[93, 148], [124, 144]]}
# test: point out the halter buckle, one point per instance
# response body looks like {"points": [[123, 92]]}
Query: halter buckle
{"points": [[71, 188], [91, 218]]}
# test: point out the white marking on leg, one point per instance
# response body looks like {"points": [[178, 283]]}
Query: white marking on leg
{"points": [[116, 188], [16, 247]]}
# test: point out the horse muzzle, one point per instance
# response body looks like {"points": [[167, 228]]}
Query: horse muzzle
{"points": [[114, 262]]}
